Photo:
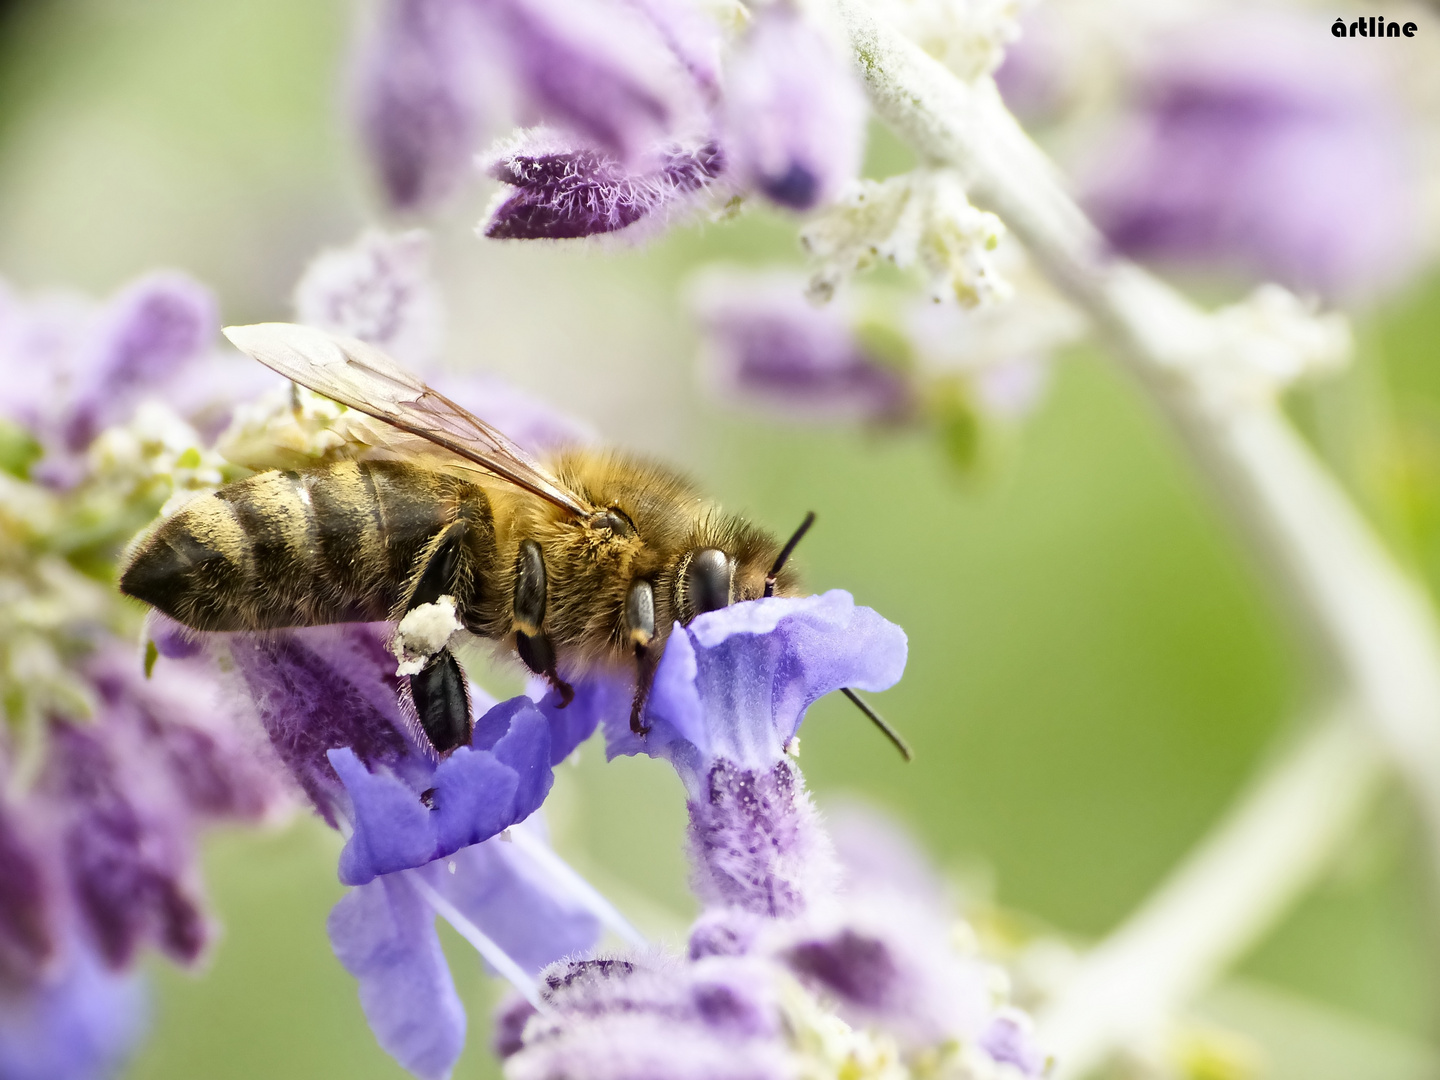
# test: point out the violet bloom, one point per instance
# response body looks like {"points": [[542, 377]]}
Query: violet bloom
{"points": [[622, 77], [73, 370], [424, 833], [561, 190], [1256, 145], [786, 975], [765, 342], [794, 114], [98, 860]]}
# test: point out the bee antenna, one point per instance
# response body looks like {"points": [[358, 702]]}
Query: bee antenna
{"points": [[879, 721], [787, 551]]}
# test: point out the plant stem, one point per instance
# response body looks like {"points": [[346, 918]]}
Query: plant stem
{"points": [[1270, 846]]}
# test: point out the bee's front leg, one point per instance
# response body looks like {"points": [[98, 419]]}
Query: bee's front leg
{"points": [[531, 641], [640, 618]]}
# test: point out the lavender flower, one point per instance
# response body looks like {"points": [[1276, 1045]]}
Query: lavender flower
{"points": [[1255, 146], [622, 77], [785, 975], [424, 835], [562, 190], [419, 97], [377, 289], [794, 116], [73, 371], [765, 342]]}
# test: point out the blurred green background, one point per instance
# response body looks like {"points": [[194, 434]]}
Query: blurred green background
{"points": [[1095, 668]]}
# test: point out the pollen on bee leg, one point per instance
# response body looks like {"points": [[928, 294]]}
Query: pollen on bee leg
{"points": [[422, 633]]}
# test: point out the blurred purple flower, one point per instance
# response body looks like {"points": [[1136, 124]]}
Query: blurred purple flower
{"points": [[794, 114], [377, 289], [420, 97], [384, 934], [563, 190], [1256, 146], [78, 1020], [73, 370], [729, 695], [766, 342], [621, 76], [424, 834]]}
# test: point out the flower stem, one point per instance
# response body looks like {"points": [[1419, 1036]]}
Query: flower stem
{"points": [[1272, 843], [493, 955]]}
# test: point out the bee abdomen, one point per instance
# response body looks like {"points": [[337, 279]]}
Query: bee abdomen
{"points": [[332, 544]]}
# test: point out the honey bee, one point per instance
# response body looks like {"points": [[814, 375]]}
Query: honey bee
{"points": [[580, 564]]}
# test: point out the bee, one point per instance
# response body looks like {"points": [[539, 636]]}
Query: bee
{"points": [[579, 564]]}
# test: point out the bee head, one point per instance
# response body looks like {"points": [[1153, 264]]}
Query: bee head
{"points": [[711, 577]]}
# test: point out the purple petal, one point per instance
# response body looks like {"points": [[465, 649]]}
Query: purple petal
{"points": [[518, 906], [78, 1022], [126, 849], [392, 827], [419, 96], [1010, 1038], [596, 699], [767, 343], [323, 688], [474, 799], [794, 116], [565, 191], [27, 904], [142, 338], [384, 934], [736, 683], [379, 290], [593, 68], [1255, 146]]}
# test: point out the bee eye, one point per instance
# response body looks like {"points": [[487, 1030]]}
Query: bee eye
{"points": [[707, 581]]}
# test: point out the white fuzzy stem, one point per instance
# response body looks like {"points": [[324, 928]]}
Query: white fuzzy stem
{"points": [[482, 943], [1374, 626], [1254, 864], [564, 875]]}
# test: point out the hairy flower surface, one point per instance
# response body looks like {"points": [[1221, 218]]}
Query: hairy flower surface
{"points": [[560, 190], [1257, 146], [798, 966]]}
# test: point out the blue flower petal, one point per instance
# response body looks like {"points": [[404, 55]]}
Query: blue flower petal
{"points": [[510, 897], [384, 934], [77, 1023], [393, 828], [736, 682], [597, 698], [526, 749], [474, 799]]}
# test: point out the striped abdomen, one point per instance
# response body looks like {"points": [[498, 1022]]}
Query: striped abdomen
{"points": [[339, 543]]}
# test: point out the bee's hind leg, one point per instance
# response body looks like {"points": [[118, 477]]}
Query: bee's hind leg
{"points": [[442, 702], [640, 617]]}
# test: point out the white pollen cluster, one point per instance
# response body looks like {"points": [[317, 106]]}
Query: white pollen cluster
{"points": [[422, 633]]}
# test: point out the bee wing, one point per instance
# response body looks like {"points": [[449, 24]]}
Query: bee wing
{"points": [[363, 378]]}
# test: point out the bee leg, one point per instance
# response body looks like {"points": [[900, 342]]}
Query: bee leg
{"points": [[442, 702], [531, 642], [539, 656], [640, 617], [439, 565]]}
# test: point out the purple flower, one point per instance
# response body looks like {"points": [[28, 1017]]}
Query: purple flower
{"points": [[420, 94], [1256, 146], [377, 289], [79, 1020], [73, 370], [562, 190], [621, 76], [765, 342], [794, 115]]}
